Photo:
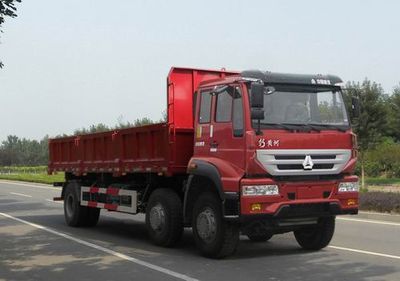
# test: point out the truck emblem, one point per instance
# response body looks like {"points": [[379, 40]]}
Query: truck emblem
{"points": [[308, 163], [262, 143]]}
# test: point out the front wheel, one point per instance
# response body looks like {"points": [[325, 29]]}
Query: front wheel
{"points": [[215, 237], [316, 237]]}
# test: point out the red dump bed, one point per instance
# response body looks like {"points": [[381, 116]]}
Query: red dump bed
{"points": [[163, 148], [152, 148]]}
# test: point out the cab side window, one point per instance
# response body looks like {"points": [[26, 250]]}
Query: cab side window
{"points": [[230, 108], [224, 106], [205, 107]]}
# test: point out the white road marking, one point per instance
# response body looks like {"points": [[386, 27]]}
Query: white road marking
{"points": [[365, 252], [58, 202], [20, 194], [370, 221], [31, 185], [105, 250]]}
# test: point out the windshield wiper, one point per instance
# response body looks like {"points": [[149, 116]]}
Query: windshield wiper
{"points": [[308, 127], [280, 125], [325, 126]]}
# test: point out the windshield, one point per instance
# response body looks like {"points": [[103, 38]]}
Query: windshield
{"points": [[322, 107]]}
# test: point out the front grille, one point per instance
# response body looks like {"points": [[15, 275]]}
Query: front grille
{"points": [[296, 178], [290, 162], [291, 157], [300, 167]]}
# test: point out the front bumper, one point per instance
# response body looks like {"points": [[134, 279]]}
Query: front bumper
{"points": [[305, 210], [300, 199]]}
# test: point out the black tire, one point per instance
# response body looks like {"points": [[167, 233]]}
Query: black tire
{"points": [[164, 218], [214, 237], [259, 237], [76, 215], [317, 237]]}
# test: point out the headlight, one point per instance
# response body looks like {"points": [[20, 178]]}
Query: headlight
{"points": [[348, 187], [255, 190]]}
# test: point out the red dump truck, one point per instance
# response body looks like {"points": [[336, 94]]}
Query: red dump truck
{"points": [[252, 153]]}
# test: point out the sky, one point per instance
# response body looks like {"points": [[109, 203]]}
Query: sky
{"points": [[70, 64]]}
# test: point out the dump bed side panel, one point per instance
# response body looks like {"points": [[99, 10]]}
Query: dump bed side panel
{"points": [[152, 148]]}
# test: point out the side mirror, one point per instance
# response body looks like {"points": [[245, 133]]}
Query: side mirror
{"points": [[355, 107], [257, 95]]}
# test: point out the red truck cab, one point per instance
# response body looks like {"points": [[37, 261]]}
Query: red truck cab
{"points": [[256, 153]]}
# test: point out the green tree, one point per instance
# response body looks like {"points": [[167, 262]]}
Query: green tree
{"points": [[142, 122], [23, 152], [137, 123], [372, 123], [92, 129], [7, 9], [393, 109], [9, 151], [44, 151]]}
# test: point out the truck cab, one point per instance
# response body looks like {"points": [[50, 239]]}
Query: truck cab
{"points": [[281, 152]]}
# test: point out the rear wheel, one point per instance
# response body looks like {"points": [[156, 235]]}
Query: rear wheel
{"points": [[164, 219], [75, 214], [215, 237], [316, 237], [259, 237]]}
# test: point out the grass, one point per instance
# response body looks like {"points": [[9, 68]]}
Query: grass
{"points": [[382, 181], [382, 185], [37, 178], [23, 169]]}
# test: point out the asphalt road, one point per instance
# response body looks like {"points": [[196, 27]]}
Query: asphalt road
{"points": [[35, 244]]}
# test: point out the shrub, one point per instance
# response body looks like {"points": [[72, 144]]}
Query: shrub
{"points": [[383, 160], [380, 201]]}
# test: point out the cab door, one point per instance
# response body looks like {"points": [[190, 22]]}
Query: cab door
{"points": [[227, 140], [202, 121]]}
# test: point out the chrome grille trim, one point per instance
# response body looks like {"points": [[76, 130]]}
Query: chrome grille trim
{"points": [[267, 158]]}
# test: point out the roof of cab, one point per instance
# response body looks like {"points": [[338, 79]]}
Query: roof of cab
{"points": [[276, 78], [280, 78]]}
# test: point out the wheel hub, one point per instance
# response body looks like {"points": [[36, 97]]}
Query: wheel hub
{"points": [[157, 217], [206, 225]]}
